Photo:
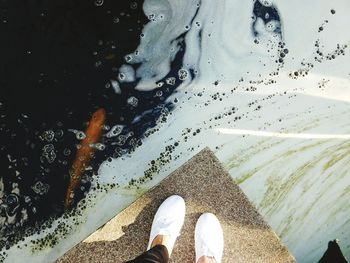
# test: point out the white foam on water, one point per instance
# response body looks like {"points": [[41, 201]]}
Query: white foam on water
{"points": [[1, 188], [286, 142], [116, 86]]}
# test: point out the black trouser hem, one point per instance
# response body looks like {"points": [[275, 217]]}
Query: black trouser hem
{"points": [[157, 254]]}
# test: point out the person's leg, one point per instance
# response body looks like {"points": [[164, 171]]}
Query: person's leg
{"points": [[157, 254], [209, 239], [205, 259], [166, 227]]}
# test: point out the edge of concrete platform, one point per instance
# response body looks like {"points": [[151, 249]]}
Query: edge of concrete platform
{"points": [[248, 237]]}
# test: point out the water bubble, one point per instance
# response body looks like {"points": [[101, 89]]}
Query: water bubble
{"points": [[99, 146], [272, 26], [67, 152], [116, 20], [49, 153], [133, 101], [133, 142], [116, 86], [98, 63], [121, 76], [266, 2], [40, 188], [151, 16], [160, 84], [121, 139], [99, 2], [119, 152], [58, 134], [159, 93], [51, 157], [133, 5], [183, 74], [12, 199], [27, 199], [115, 131], [80, 135], [48, 148], [164, 111], [12, 204], [48, 135], [128, 58], [170, 81]]}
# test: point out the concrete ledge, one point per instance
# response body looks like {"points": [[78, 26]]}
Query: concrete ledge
{"points": [[206, 187]]}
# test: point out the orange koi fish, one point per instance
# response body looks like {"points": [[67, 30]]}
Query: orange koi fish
{"points": [[85, 152]]}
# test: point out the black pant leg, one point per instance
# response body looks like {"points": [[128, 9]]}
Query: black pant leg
{"points": [[157, 254]]}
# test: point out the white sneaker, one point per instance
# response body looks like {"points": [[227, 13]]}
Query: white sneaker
{"points": [[168, 220], [209, 238]]}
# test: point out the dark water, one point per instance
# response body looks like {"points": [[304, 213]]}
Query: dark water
{"points": [[57, 60]]}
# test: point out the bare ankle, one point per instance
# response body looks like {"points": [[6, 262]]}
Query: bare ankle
{"points": [[205, 259], [161, 240]]}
